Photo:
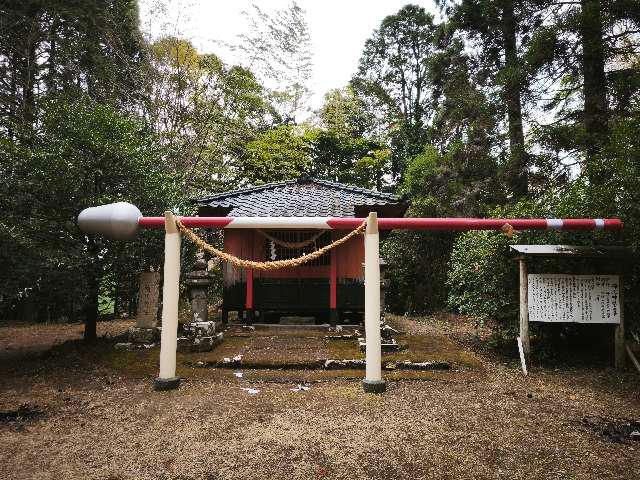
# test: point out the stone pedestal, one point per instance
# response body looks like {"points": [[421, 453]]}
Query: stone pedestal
{"points": [[188, 344], [199, 337], [144, 335]]}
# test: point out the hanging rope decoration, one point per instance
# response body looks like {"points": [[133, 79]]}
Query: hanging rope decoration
{"points": [[273, 265], [296, 245]]}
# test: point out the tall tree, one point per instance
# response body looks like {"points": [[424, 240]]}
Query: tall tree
{"points": [[517, 172], [345, 147], [463, 111], [596, 111], [582, 53], [81, 154], [280, 153], [498, 30], [50, 46], [205, 113], [277, 46], [393, 77]]}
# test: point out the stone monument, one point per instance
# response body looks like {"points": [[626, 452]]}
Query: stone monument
{"points": [[146, 332], [146, 329]]}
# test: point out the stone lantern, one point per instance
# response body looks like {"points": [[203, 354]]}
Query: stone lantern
{"points": [[200, 333], [389, 343], [198, 281]]}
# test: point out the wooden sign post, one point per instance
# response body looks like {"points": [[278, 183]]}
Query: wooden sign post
{"points": [[524, 308], [566, 298]]}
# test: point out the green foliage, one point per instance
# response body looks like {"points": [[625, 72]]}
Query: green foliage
{"points": [[90, 47], [345, 147], [82, 154], [438, 186], [619, 196], [417, 270], [280, 153], [480, 278], [422, 167], [498, 33], [204, 112], [345, 114]]}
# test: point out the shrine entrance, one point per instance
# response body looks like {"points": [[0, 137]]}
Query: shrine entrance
{"points": [[122, 221]]}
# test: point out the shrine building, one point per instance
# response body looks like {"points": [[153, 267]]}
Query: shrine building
{"points": [[328, 288]]}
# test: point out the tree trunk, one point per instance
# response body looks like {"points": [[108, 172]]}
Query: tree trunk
{"points": [[116, 294], [91, 315], [596, 114], [52, 61], [27, 83], [93, 287], [517, 170]]}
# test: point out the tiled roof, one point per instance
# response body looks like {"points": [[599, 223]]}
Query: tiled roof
{"points": [[305, 197]]}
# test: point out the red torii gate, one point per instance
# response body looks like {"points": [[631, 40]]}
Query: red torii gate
{"points": [[122, 221]]}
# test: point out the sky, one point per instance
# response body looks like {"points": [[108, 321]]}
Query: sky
{"points": [[338, 29]]}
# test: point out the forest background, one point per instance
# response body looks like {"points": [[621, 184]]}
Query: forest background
{"points": [[511, 108]]}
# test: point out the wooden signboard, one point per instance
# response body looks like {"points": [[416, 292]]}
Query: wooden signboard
{"points": [[574, 298]]}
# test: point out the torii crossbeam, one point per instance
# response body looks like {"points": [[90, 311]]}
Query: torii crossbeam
{"points": [[122, 221]]}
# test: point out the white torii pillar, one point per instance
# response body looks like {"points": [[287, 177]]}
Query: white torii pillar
{"points": [[167, 379], [373, 382]]}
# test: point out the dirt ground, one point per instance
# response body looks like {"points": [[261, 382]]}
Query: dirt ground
{"points": [[20, 340], [82, 412]]}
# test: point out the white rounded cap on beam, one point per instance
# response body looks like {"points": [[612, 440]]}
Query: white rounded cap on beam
{"points": [[118, 221]]}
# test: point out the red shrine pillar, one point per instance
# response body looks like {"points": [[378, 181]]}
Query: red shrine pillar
{"points": [[249, 300], [333, 288]]}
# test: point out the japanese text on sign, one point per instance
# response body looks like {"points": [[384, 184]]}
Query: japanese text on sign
{"points": [[574, 298]]}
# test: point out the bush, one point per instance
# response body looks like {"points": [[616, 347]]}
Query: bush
{"points": [[482, 276], [453, 183], [417, 264], [417, 270]]}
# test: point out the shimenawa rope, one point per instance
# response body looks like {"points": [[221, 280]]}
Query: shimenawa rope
{"points": [[273, 265]]}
